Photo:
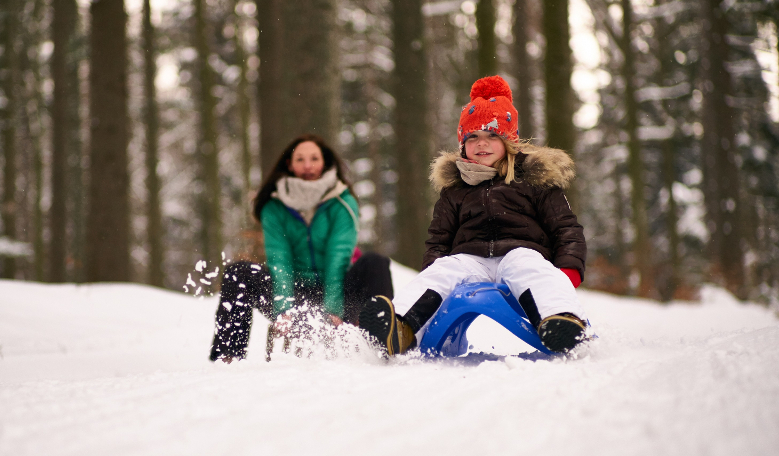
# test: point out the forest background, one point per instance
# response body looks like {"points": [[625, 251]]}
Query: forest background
{"points": [[135, 133]]}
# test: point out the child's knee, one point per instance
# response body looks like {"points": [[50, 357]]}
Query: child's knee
{"points": [[525, 261], [525, 254]]}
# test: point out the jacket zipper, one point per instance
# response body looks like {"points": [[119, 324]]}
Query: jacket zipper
{"points": [[311, 249], [297, 215], [489, 218]]}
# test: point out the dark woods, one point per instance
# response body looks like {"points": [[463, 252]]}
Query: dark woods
{"points": [[134, 136]]}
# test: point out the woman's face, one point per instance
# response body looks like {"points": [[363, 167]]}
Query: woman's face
{"points": [[307, 162], [485, 147]]}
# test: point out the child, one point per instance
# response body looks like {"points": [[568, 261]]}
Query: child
{"points": [[501, 216]]}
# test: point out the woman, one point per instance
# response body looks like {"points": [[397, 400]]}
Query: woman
{"points": [[309, 219]]}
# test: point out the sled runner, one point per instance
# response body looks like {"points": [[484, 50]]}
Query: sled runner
{"points": [[445, 335]]}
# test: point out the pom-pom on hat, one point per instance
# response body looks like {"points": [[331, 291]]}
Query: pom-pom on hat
{"points": [[490, 109]]}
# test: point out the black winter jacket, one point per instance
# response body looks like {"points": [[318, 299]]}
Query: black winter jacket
{"points": [[492, 218]]}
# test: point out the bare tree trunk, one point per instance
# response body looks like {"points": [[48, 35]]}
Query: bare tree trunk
{"points": [[30, 140], [411, 130], [672, 221], [312, 68], [619, 213], [269, 87], [62, 125], [153, 211], [244, 107], [211, 213], [524, 71], [374, 153], [77, 180], [11, 64], [251, 236], [38, 244], [108, 219], [299, 86], [673, 274], [641, 251], [485, 24], [558, 67], [721, 173]]}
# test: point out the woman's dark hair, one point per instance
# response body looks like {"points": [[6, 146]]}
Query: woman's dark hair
{"points": [[281, 169]]}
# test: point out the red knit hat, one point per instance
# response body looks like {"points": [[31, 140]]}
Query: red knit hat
{"points": [[490, 109]]}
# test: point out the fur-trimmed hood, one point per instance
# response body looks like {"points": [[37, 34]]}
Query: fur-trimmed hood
{"points": [[539, 166]]}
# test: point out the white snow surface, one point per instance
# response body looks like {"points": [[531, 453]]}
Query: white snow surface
{"points": [[120, 369]]}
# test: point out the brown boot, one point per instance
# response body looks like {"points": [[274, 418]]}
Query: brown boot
{"points": [[379, 320], [561, 332]]}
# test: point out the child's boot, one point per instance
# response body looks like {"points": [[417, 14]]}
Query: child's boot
{"points": [[561, 332], [379, 320]]}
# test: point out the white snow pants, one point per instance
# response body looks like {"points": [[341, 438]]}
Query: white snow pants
{"points": [[521, 269]]}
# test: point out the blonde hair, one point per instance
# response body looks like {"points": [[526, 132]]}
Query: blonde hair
{"points": [[505, 165]]}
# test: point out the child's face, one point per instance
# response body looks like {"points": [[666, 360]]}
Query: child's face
{"points": [[485, 147]]}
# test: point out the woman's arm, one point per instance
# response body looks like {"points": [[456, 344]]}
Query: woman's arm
{"points": [[442, 230], [338, 252], [279, 255]]}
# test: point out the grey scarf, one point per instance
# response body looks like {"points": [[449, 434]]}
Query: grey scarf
{"points": [[303, 195], [474, 173]]}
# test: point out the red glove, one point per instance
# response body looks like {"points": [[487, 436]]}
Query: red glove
{"points": [[356, 254], [573, 276]]}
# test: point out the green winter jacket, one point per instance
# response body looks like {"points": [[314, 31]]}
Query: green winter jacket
{"points": [[317, 253]]}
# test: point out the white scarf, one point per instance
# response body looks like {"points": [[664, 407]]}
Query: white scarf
{"points": [[475, 173], [305, 195]]}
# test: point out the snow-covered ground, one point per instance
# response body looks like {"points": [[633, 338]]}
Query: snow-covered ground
{"points": [[123, 370]]}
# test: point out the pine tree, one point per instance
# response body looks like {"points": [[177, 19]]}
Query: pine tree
{"points": [[641, 248], [524, 70], [65, 13], [108, 219], [721, 173], [411, 130], [269, 85], [558, 67], [154, 232], [8, 210], [485, 23]]}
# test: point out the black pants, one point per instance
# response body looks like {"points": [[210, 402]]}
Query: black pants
{"points": [[246, 286]]}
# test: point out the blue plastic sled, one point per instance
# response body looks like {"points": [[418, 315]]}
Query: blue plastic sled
{"points": [[446, 333]]}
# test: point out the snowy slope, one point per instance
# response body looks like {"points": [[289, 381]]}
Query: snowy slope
{"points": [[123, 370]]}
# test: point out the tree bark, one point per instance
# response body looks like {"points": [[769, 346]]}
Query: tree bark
{"points": [[108, 220], [485, 24], [558, 67], [370, 92], [642, 260], [524, 67], [312, 68], [62, 125], [154, 233], [269, 85], [210, 197], [721, 172], [299, 85], [672, 221], [38, 243], [673, 274], [10, 87], [30, 140], [411, 130], [77, 181], [244, 107]]}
